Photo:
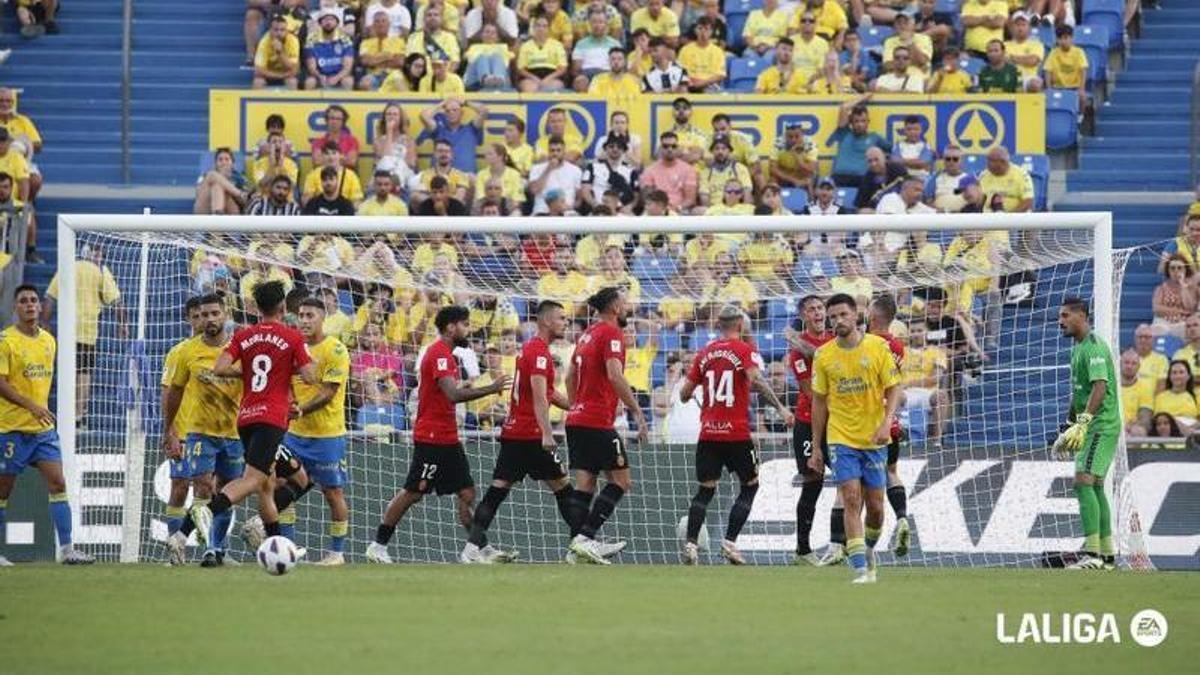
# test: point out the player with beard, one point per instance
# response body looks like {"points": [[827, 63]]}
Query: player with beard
{"points": [[595, 383], [438, 460], [527, 445]]}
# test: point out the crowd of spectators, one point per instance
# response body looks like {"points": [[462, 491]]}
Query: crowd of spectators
{"points": [[621, 49]]}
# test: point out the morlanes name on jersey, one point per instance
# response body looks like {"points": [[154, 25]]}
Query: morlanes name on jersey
{"points": [[256, 338]]}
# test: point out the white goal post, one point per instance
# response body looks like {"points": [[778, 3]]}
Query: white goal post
{"points": [[1066, 253]]}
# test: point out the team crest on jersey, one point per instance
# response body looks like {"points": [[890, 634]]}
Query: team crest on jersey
{"points": [[863, 362], [615, 345], [443, 364], [541, 362]]}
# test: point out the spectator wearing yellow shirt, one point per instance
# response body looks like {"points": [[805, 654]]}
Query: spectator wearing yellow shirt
{"points": [[1137, 396], [783, 77], [950, 79], [831, 79], [383, 201], [1025, 53], [560, 23], [379, 52], [832, 22], [440, 80], [451, 12], [612, 16], [351, 187], [727, 286], [852, 280], [639, 359], [95, 290], [275, 163], [260, 272], [614, 273], [433, 244], [767, 260], [618, 83], [498, 167], [1153, 367], [808, 48], [1190, 351], [488, 62], [920, 47], [542, 60], [592, 54], [459, 182], [718, 173], [337, 323], [277, 58], [489, 411], [763, 29], [325, 252], [983, 21], [564, 284], [704, 249], [1179, 398], [732, 203], [704, 60], [793, 160], [433, 41], [641, 57], [1067, 65], [658, 21], [519, 152], [557, 127], [408, 77], [921, 372], [692, 140], [1006, 186]]}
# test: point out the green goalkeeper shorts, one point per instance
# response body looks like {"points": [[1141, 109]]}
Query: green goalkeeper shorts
{"points": [[1099, 448]]}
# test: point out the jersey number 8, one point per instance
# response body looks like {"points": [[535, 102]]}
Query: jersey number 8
{"points": [[261, 367]]}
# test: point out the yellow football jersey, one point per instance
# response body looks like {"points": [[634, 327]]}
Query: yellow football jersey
{"points": [[853, 382], [1136, 397], [332, 361], [27, 362], [210, 402], [170, 365]]}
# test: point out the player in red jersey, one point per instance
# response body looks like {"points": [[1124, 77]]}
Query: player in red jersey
{"points": [[527, 445], [725, 370], [438, 460], [595, 382], [880, 315], [269, 353], [810, 334]]}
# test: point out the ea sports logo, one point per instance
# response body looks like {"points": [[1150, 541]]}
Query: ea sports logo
{"points": [[1148, 628]]}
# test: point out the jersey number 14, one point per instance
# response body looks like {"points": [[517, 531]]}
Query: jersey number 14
{"points": [[720, 390]]}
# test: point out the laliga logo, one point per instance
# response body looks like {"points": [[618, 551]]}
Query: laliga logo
{"points": [[1148, 628]]}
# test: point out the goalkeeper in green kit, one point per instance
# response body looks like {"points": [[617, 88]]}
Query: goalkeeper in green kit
{"points": [[1093, 434]]}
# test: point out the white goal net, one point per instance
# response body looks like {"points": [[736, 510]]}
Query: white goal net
{"points": [[976, 297]]}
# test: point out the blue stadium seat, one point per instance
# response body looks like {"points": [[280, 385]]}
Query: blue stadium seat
{"points": [[846, 196], [346, 302], [1108, 14], [873, 36], [948, 6], [392, 416], [794, 199], [972, 65], [1043, 33], [1038, 167], [658, 370], [974, 164], [207, 162], [1093, 40], [670, 340], [1167, 345], [520, 306], [653, 268], [780, 307], [736, 13], [743, 73], [1062, 119], [772, 339], [701, 337]]}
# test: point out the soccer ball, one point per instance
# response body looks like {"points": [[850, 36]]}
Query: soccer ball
{"points": [[277, 555], [701, 539]]}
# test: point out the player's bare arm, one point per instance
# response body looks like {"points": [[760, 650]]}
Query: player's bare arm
{"points": [[11, 395], [616, 377], [541, 410], [820, 416], [571, 381], [893, 396], [459, 394], [324, 396], [172, 396], [760, 385], [225, 366]]}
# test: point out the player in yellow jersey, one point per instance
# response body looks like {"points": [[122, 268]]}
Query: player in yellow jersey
{"points": [[27, 434], [316, 437], [180, 481], [211, 453], [855, 395]]}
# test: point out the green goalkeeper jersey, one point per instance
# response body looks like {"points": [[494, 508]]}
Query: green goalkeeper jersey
{"points": [[1091, 360]]}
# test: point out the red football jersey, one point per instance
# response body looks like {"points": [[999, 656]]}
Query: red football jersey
{"points": [[270, 353], [436, 422], [801, 367], [897, 348], [720, 370], [535, 359], [595, 399]]}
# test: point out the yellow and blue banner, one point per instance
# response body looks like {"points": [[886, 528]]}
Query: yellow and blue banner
{"points": [[976, 123]]}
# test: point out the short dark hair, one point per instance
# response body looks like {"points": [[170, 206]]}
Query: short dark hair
{"points": [[807, 299], [719, 117], [191, 303], [26, 287], [912, 119], [4, 176], [786, 41], [283, 178], [841, 299], [442, 141], [329, 172], [337, 108], [668, 134], [518, 123], [618, 50], [1076, 304], [602, 299], [275, 119], [658, 196], [886, 304], [450, 314], [656, 42], [314, 302], [547, 305], [704, 21], [438, 183], [1063, 29], [381, 173], [210, 299], [934, 294], [268, 296], [555, 140]]}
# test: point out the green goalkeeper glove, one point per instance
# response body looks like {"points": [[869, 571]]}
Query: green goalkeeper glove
{"points": [[1070, 441]]}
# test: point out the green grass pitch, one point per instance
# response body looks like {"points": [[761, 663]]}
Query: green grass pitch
{"points": [[443, 619]]}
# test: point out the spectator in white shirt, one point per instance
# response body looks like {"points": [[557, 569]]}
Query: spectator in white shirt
{"points": [[943, 190], [907, 200], [398, 16], [556, 173], [900, 79], [666, 76], [490, 11]]}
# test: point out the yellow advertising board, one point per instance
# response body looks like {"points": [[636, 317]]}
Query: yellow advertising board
{"points": [[977, 123]]}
